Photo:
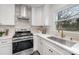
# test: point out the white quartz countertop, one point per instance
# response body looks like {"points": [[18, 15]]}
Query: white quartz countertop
{"points": [[74, 49], [5, 37]]}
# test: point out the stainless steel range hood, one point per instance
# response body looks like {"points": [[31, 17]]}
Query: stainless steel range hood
{"points": [[22, 17], [23, 13]]}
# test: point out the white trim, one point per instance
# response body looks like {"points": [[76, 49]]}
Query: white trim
{"points": [[65, 7], [72, 32]]}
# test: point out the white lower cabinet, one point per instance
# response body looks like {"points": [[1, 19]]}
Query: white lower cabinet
{"points": [[47, 48], [6, 49], [40, 46], [35, 41]]}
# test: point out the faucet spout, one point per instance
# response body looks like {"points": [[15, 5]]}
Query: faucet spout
{"points": [[61, 31]]}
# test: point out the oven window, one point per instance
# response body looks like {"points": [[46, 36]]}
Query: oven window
{"points": [[23, 45]]}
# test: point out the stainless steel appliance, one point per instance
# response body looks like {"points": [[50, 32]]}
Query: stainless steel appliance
{"points": [[22, 40]]}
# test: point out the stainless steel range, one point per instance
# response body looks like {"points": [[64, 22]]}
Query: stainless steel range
{"points": [[22, 40]]}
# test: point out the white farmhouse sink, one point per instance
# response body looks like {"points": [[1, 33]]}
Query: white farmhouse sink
{"points": [[61, 41]]}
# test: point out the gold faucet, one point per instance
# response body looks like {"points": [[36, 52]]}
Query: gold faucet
{"points": [[61, 31]]}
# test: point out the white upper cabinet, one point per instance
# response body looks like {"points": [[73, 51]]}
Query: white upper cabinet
{"points": [[17, 10], [37, 16], [40, 16], [7, 14], [46, 14]]}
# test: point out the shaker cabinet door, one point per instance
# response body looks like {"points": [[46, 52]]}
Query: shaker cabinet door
{"points": [[37, 14], [6, 49], [7, 14], [40, 46]]}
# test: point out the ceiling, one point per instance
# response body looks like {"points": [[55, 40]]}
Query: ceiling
{"points": [[36, 5], [32, 5]]}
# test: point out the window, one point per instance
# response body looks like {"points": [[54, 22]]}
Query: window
{"points": [[68, 19], [69, 12]]}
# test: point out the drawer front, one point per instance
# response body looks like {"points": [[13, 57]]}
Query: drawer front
{"points": [[5, 41], [54, 51], [48, 50]]}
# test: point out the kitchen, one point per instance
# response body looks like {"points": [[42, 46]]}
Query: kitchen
{"points": [[39, 29]]}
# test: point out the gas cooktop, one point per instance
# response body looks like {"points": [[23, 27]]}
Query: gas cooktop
{"points": [[22, 34]]}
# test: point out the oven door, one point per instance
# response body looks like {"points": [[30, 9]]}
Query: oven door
{"points": [[22, 45]]}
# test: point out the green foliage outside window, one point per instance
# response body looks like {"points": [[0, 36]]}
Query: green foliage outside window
{"points": [[69, 25]]}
